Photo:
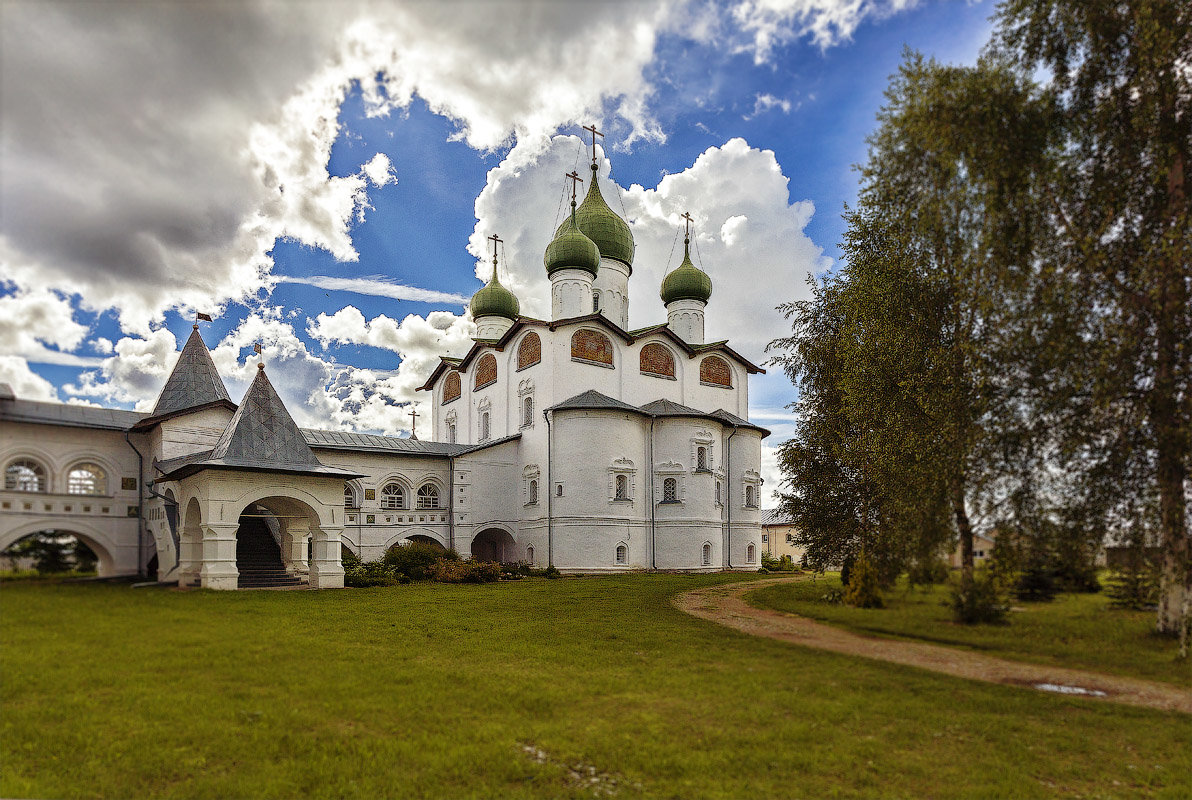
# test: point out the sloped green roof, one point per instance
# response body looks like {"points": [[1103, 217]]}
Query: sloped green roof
{"points": [[688, 282], [600, 224], [494, 300], [571, 249]]}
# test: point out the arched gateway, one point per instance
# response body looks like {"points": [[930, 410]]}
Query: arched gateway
{"points": [[493, 544]]}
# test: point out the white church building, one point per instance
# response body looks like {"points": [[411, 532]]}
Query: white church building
{"points": [[577, 442]]}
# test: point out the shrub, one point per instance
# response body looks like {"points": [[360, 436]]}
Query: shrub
{"points": [[929, 571], [864, 587], [783, 564], [373, 573], [552, 572], [1037, 582], [446, 571], [1134, 584], [416, 560], [979, 601]]}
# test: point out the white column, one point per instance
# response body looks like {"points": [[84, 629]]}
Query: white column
{"points": [[190, 555], [491, 327], [613, 285], [326, 570], [294, 545], [570, 293], [219, 557], [686, 319]]}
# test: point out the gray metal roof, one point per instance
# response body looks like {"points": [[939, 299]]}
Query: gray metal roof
{"points": [[372, 443], [772, 516], [733, 419], [669, 408], [262, 432], [593, 399], [32, 411], [194, 381]]}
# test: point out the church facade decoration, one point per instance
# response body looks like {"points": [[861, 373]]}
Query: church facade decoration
{"points": [[486, 371], [657, 360], [451, 387], [715, 371], [590, 345]]}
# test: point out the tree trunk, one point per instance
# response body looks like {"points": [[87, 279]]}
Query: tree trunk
{"points": [[966, 532]]}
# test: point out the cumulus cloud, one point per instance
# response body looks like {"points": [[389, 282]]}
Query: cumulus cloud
{"points": [[30, 320], [134, 373], [769, 24], [24, 382]]}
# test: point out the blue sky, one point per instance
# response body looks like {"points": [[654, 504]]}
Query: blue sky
{"points": [[240, 160]]}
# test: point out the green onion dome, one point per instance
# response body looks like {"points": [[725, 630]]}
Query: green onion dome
{"points": [[598, 222], [494, 300], [688, 282], [570, 249]]}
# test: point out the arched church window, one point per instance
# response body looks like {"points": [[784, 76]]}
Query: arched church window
{"points": [[750, 554], [349, 497], [595, 302], [594, 346], [428, 496], [715, 371], [622, 487], [670, 491], [622, 554], [529, 352], [718, 500], [486, 371], [532, 491], [484, 429], [527, 411], [451, 433], [751, 496], [25, 475], [707, 556], [86, 479], [451, 387], [530, 555], [393, 496], [701, 459], [655, 359]]}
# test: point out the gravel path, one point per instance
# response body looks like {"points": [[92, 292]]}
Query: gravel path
{"points": [[724, 605]]}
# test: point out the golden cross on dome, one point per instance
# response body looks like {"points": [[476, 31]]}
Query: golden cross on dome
{"points": [[576, 180], [592, 130], [687, 225], [496, 240]]}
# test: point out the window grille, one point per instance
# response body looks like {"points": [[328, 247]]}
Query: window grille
{"points": [[85, 479], [670, 491], [393, 496], [349, 497], [707, 559], [701, 459], [25, 476], [533, 492], [428, 496], [484, 427], [622, 554], [750, 554], [622, 487], [451, 433], [751, 496], [527, 412], [595, 302]]}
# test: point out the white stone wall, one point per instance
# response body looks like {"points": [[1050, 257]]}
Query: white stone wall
{"points": [[612, 284], [686, 319], [570, 293], [107, 523]]}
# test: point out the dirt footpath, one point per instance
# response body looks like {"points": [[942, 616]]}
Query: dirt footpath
{"points": [[724, 605]]}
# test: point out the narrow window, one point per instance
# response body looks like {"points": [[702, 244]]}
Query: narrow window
{"points": [[349, 497], [527, 412], [558, 490], [701, 459], [428, 496], [451, 433], [595, 302], [530, 554], [392, 496], [622, 487], [707, 559], [751, 496], [750, 554], [622, 554], [25, 476], [670, 491], [533, 491], [717, 492], [85, 479], [484, 427]]}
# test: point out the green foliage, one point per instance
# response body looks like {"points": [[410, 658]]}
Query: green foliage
{"points": [[1134, 584], [1037, 581], [445, 571], [55, 553], [781, 564], [928, 570], [417, 560], [978, 601], [864, 586]]}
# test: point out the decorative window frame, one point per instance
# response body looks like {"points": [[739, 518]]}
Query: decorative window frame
{"points": [[407, 493], [751, 546], [443, 391], [47, 473], [482, 408], [622, 467], [440, 497], [476, 385], [531, 473], [650, 374], [525, 388], [754, 479], [670, 469], [592, 362], [733, 378], [618, 561], [705, 554], [451, 421], [702, 438], [517, 352]]}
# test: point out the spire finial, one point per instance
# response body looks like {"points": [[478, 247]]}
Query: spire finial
{"points": [[199, 315], [576, 180], [592, 130], [686, 228], [259, 350], [414, 422], [496, 240]]}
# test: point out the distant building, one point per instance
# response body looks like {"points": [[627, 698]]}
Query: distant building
{"points": [[778, 536], [982, 549]]}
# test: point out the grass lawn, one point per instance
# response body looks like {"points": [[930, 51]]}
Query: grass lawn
{"points": [[1074, 630], [499, 690]]}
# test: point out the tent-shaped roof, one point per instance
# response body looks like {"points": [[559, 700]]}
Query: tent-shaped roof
{"points": [[194, 381]]}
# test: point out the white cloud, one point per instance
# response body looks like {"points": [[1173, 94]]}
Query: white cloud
{"points": [[30, 320], [769, 24], [134, 373], [377, 286], [765, 102], [25, 383]]}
